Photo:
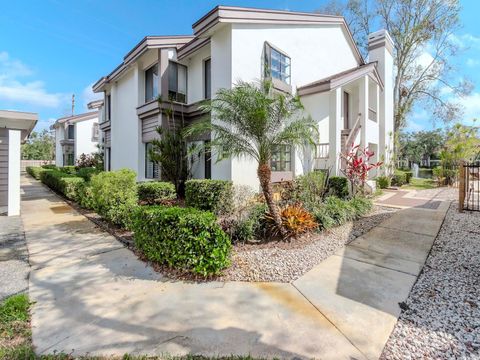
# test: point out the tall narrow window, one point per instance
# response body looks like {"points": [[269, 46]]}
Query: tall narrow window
{"points": [[208, 160], [277, 64], [109, 159], [151, 167], [108, 107], [207, 76], [282, 158], [177, 82], [346, 113], [151, 83], [71, 132]]}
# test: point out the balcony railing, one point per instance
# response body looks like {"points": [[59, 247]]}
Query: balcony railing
{"points": [[322, 150]]}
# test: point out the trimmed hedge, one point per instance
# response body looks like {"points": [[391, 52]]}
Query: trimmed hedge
{"points": [[338, 186], [35, 171], [383, 182], [408, 175], [66, 184], [155, 192], [399, 178], [184, 238], [210, 195], [87, 172], [114, 195], [70, 169]]}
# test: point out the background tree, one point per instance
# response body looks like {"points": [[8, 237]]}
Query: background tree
{"points": [[417, 146], [462, 143], [252, 121], [423, 33], [39, 146]]}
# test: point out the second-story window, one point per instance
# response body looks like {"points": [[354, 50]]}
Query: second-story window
{"points": [[277, 64], [71, 132], [108, 107], [151, 83], [207, 77], [177, 82]]}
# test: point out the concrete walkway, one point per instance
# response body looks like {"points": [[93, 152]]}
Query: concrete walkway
{"points": [[94, 296]]}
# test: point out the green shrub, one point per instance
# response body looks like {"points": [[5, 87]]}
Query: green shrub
{"points": [[383, 182], [49, 166], [310, 187], [65, 184], [210, 195], [115, 195], [399, 178], [35, 171], [361, 205], [155, 192], [335, 211], [85, 196], [248, 227], [87, 172], [72, 170], [338, 186], [184, 238], [408, 176]]}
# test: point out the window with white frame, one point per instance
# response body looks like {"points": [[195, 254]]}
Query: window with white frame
{"points": [[207, 76], [108, 107], [177, 82], [281, 158], [71, 132], [95, 132], [277, 64], [151, 167], [151, 83]]}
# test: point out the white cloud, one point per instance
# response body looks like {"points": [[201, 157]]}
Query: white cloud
{"points": [[415, 120], [465, 40], [414, 126], [471, 104], [14, 89], [472, 62], [88, 95]]}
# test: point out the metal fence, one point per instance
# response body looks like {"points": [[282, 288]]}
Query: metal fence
{"points": [[25, 163], [469, 186]]}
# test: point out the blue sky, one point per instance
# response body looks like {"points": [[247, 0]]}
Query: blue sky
{"points": [[52, 49]]}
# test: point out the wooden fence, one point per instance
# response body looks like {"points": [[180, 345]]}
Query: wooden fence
{"points": [[469, 186], [25, 163]]}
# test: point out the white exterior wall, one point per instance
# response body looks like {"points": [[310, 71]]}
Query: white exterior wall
{"points": [[125, 128], [83, 138], [13, 172], [59, 135], [195, 64]]}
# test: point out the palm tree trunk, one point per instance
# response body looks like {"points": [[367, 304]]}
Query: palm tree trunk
{"points": [[264, 175]]}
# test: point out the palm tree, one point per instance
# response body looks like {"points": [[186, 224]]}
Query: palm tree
{"points": [[251, 120]]}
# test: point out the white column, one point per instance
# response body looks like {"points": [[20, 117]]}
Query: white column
{"points": [[363, 108], [335, 130], [13, 172]]}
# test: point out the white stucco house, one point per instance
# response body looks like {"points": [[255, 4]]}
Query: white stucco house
{"points": [[15, 126], [309, 54], [77, 134]]}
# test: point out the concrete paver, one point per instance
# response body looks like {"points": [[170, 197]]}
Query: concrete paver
{"points": [[94, 296]]}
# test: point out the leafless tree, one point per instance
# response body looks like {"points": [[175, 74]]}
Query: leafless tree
{"points": [[425, 44]]}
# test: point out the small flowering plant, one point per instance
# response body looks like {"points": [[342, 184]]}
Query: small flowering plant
{"points": [[357, 164]]}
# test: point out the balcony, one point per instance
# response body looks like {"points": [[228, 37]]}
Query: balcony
{"points": [[372, 114], [322, 150], [154, 107]]}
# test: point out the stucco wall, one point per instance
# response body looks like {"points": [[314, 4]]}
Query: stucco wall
{"points": [[59, 135], [83, 138], [195, 65]]}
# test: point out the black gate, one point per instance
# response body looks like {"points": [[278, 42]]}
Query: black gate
{"points": [[469, 189]]}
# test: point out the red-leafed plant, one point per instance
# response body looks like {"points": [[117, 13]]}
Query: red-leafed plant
{"points": [[357, 166]]}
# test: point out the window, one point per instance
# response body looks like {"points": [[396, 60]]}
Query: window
{"points": [[277, 64], [346, 114], [68, 159], [207, 76], [177, 82], [108, 161], [108, 107], [151, 168], [282, 158], [71, 132], [208, 160], [95, 132], [151, 83]]}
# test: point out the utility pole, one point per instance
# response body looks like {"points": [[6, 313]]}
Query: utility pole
{"points": [[73, 104]]}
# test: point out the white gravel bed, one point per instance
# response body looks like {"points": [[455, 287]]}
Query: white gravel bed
{"points": [[441, 319], [287, 261]]}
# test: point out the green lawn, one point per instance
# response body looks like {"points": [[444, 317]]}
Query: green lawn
{"points": [[16, 337], [420, 184]]}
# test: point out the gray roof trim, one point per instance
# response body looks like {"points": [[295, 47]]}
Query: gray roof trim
{"points": [[95, 104], [340, 79], [191, 47], [232, 14], [18, 120], [76, 118], [148, 42]]}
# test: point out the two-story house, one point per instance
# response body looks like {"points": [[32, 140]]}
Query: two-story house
{"points": [[308, 54], [77, 134]]}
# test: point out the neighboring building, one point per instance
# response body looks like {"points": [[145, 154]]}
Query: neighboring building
{"points": [[312, 55], [15, 126], [76, 135]]}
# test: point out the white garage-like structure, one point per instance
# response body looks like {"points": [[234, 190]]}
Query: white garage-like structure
{"points": [[15, 126]]}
